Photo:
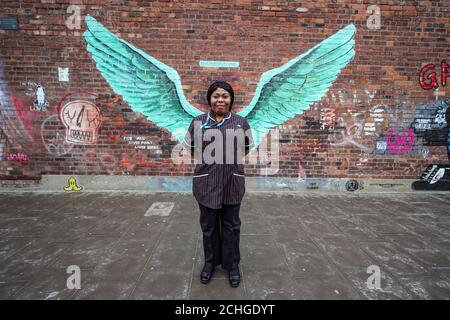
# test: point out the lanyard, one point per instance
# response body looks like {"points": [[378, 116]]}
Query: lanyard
{"points": [[207, 126]]}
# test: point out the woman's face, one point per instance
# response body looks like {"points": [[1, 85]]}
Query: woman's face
{"points": [[220, 101]]}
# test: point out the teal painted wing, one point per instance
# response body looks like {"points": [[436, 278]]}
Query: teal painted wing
{"points": [[287, 91], [146, 84]]}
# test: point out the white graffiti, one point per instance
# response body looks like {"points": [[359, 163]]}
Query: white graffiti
{"points": [[327, 118], [362, 96], [143, 143], [439, 119]]}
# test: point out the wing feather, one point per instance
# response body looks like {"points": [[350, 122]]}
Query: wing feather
{"points": [[287, 91], [146, 84]]}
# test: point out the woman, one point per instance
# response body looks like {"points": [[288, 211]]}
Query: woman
{"points": [[219, 139]]}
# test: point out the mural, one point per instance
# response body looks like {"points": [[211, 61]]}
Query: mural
{"points": [[428, 78], [82, 120], [40, 103], [153, 88]]}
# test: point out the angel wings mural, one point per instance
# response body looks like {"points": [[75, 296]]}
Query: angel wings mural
{"points": [[154, 89]]}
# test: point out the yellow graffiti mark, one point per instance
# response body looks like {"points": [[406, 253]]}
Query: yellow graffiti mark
{"points": [[73, 185]]}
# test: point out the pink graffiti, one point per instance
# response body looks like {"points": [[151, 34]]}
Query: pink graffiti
{"points": [[27, 117], [399, 144], [17, 157]]}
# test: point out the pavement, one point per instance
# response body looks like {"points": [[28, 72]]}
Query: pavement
{"points": [[294, 246]]}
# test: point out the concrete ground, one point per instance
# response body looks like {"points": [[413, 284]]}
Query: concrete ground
{"points": [[293, 246]]}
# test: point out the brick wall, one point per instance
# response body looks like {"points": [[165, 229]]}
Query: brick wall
{"points": [[362, 128]]}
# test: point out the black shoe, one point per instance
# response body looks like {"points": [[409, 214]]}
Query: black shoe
{"points": [[235, 279], [206, 275]]}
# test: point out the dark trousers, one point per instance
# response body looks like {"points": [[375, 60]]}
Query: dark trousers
{"points": [[221, 232]]}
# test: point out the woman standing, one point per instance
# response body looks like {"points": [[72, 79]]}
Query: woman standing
{"points": [[219, 139]]}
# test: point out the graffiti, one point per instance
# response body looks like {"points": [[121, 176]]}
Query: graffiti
{"points": [[435, 177], [381, 148], [37, 91], [327, 118], [26, 117], [82, 120], [17, 157], [141, 142], [15, 120], [40, 104], [378, 116], [348, 136], [399, 144], [353, 185], [53, 137], [356, 97], [72, 185], [430, 81], [423, 151], [290, 93], [312, 185]]}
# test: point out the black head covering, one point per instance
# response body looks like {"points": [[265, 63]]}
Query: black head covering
{"points": [[220, 84]]}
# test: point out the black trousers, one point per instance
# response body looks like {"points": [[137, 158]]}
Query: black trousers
{"points": [[221, 231]]}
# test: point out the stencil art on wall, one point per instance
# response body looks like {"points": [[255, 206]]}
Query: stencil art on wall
{"points": [[154, 89], [37, 91]]}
